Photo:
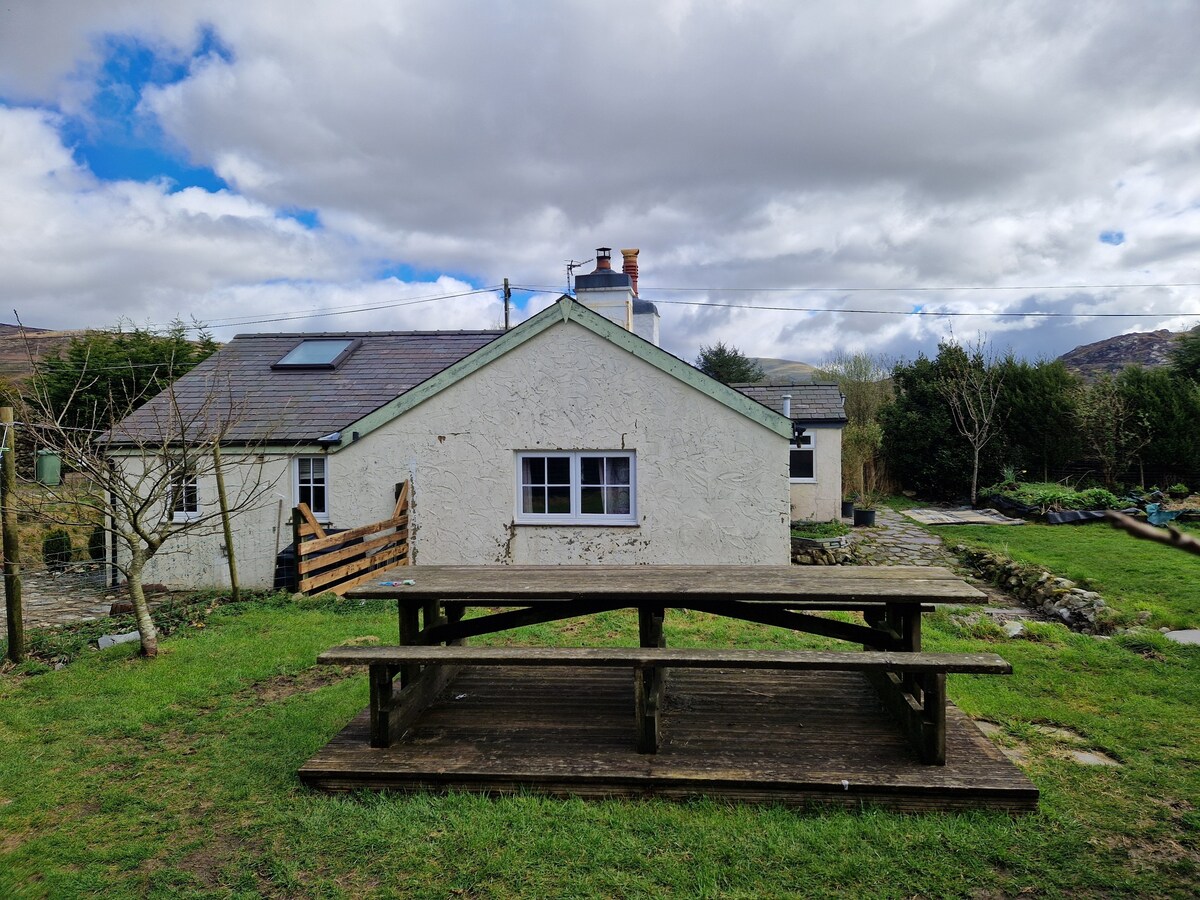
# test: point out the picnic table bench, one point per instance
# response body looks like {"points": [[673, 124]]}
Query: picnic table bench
{"points": [[911, 683]]}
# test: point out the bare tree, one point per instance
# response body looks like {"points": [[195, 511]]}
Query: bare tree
{"points": [[865, 382], [143, 474], [971, 387]]}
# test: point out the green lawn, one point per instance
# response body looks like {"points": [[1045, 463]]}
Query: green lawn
{"points": [[1132, 575], [121, 777]]}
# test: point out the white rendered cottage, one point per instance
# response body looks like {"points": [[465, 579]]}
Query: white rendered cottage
{"points": [[566, 440], [818, 414]]}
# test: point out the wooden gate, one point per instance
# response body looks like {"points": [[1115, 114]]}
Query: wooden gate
{"points": [[338, 562]]}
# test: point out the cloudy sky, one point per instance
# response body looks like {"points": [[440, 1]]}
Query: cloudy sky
{"points": [[801, 178]]}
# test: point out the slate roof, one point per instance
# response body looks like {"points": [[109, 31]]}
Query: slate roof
{"points": [[237, 385], [813, 402]]}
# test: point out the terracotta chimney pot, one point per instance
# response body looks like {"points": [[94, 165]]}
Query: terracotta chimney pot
{"points": [[630, 267]]}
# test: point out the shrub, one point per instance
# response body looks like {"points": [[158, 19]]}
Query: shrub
{"points": [[1049, 496], [96, 544], [1178, 490], [57, 549]]}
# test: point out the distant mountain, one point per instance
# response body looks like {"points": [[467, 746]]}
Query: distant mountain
{"points": [[16, 348], [784, 369], [1149, 349]]}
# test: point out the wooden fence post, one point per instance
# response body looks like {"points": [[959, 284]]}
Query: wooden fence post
{"points": [[12, 551]]}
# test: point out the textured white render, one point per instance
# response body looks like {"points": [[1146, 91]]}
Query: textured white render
{"points": [[645, 326], [821, 501], [196, 557], [712, 485]]}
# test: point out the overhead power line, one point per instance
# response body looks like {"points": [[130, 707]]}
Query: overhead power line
{"points": [[863, 289], [320, 312], [901, 312], [931, 312]]}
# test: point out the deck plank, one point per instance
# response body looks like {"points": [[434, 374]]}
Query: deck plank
{"points": [[752, 737]]}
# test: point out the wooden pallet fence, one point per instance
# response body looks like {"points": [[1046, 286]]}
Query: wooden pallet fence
{"points": [[337, 562]]}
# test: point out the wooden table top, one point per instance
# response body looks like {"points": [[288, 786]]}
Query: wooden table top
{"points": [[675, 585]]}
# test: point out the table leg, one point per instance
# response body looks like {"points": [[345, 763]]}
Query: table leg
{"points": [[410, 630], [649, 680]]}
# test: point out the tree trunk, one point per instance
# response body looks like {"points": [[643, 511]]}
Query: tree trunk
{"points": [[141, 609], [234, 593], [975, 478]]}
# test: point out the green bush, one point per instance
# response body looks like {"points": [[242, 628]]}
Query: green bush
{"points": [[1178, 490], [1050, 496], [96, 544], [57, 549]]}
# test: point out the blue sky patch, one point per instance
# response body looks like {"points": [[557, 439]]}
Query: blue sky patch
{"points": [[408, 273], [1116, 238], [309, 218], [118, 140]]}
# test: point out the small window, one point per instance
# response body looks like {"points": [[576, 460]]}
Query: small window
{"points": [[580, 487], [803, 459], [312, 487], [184, 497], [318, 353]]}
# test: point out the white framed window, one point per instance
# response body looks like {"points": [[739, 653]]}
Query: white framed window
{"points": [[312, 485], [183, 497], [802, 459], [578, 487]]}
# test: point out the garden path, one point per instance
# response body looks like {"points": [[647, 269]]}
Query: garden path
{"points": [[898, 541], [58, 598]]}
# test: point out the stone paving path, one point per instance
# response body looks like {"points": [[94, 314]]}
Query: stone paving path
{"points": [[896, 540], [58, 598]]}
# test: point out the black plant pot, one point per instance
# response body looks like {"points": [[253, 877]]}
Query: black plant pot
{"points": [[864, 517], [847, 508]]}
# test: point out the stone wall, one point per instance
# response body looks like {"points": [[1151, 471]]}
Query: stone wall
{"points": [[1058, 598]]}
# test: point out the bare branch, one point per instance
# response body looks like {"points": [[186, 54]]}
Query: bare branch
{"points": [[1172, 537]]}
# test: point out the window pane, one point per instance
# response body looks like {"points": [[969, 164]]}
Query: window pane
{"points": [[558, 500], [618, 470], [305, 469], [618, 501], [314, 353], [801, 464], [533, 500], [533, 470], [590, 469], [317, 505], [318, 469], [558, 470], [591, 501]]}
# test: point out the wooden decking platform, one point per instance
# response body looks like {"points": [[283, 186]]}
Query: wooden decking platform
{"points": [[774, 737]]}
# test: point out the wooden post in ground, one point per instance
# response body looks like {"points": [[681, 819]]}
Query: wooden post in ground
{"points": [[12, 552], [234, 594]]}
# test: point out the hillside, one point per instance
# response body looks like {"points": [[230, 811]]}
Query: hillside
{"points": [[1109, 356], [18, 345], [784, 369]]}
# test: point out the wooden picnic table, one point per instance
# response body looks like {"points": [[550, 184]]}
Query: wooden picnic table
{"points": [[890, 598]]}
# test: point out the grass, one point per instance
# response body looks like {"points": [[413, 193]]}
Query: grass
{"points": [[817, 530], [1132, 575], [124, 777]]}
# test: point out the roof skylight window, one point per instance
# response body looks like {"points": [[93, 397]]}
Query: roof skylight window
{"points": [[318, 353]]}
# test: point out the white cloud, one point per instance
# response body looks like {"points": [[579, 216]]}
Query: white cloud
{"points": [[752, 144]]}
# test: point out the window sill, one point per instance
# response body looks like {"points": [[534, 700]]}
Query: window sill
{"points": [[575, 523]]}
